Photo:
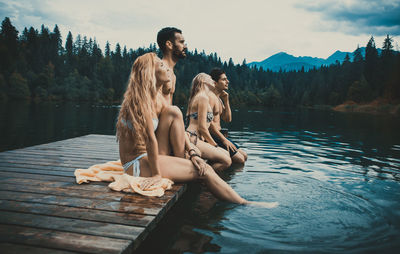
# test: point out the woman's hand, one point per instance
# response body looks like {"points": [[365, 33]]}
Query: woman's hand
{"points": [[149, 181], [199, 164]]}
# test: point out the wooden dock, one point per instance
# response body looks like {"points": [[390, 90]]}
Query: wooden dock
{"points": [[43, 209]]}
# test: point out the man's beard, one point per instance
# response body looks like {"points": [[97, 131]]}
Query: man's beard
{"points": [[178, 54]]}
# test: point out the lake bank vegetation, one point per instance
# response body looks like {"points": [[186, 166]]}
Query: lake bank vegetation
{"points": [[37, 65]]}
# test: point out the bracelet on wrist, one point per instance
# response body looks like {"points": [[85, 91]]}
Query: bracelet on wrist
{"points": [[193, 155], [191, 149]]}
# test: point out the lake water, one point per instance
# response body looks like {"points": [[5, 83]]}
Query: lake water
{"points": [[335, 175]]}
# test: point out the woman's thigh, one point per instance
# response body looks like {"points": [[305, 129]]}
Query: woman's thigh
{"points": [[210, 152], [173, 168]]}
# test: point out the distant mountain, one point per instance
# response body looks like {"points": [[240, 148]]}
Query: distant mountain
{"points": [[285, 62]]}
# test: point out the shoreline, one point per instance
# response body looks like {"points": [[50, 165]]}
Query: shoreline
{"points": [[374, 107]]}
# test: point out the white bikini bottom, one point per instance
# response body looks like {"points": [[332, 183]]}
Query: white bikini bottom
{"points": [[136, 165]]}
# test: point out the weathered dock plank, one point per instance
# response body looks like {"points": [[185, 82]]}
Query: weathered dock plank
{"points": [[70, 225], [77, 213], [61, 240], [9, 248], [43, 210]]}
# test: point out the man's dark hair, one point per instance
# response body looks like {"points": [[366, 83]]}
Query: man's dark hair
{"points": [[166, 34], [216, 74]]}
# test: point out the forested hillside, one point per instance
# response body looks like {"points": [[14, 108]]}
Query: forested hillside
{"points": [[38, 65]]}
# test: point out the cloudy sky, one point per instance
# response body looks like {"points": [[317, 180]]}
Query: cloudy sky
{"points": [[242, 29]]}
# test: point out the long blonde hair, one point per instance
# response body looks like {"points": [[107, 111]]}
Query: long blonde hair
{"points": [[198, 85], [138, 99]]}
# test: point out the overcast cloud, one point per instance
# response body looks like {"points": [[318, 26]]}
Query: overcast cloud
{"points": [[375, 17], [252, 29]]}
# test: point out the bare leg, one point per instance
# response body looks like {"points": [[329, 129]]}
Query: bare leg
{"points": [[244, 154], [171, 132], [181, 170], [217, 157], [238, 158]]}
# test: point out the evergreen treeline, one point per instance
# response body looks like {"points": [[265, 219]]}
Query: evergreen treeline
{"points": [[37, 65]]}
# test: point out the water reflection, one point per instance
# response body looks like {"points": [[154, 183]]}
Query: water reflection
{"points": [[25, 124]]}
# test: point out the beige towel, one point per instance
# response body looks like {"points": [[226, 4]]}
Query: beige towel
{"points": [[113, 171]]}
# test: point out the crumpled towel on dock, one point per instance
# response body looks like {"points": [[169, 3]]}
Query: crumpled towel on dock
{"points": [[113, 171]]}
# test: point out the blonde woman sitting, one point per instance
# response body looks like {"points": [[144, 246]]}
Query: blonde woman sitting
{"points": [[200, 115]]}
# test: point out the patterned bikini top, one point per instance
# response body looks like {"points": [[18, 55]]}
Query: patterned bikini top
{"points": [[210, 116]]}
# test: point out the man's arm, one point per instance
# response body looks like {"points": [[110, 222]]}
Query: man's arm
{"points": [[214, 131], [172, 90], [226, 114], [228, 144]]}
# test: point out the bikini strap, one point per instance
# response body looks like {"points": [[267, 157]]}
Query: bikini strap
{"points": [[130, 163]]}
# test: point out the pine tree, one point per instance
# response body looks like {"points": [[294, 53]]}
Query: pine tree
{"points": [[231, 64], [85, 47], [387, 48], [56, 39], [33, 50], [125, 53], [107, 50], [371, 53], [44, 46], [9, 36], [78, 44], [371, 66], [69, 46], [56, 49], [24, 36], [117, 50], [96, 51], [8, 46], [390, 70], [357, 56]]}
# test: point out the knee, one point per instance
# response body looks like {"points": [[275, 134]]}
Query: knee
{"points": [[174, 112], [226, 162], [239, 158], [209, 172], [244, 155]]}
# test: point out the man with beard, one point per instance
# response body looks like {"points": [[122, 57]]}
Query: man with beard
{"points": [[173, 47], [171, 135], [222, 110]]}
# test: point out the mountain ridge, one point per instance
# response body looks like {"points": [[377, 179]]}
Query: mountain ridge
{"points": [[286, 62]]}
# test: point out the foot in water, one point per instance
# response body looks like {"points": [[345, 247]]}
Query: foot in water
{"points": [[262, 204]]}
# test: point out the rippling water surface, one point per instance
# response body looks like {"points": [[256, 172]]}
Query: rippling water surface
{"points": [[336, 177], [333, 195]]}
